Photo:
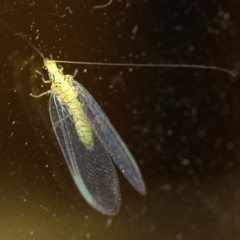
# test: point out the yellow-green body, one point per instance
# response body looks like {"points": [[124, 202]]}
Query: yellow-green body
{"points": [[62, 86]]}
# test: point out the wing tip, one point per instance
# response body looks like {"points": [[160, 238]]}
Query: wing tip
{"points": [[106, 210], [142, 189], [101, 206]]}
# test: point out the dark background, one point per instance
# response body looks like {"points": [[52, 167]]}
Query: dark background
{"points": [[182, 125]]}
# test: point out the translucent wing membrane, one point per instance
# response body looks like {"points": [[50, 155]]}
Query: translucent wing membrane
{"points": [[110, 138], [92, 170]]}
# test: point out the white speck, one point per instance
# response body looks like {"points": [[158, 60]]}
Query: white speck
{"points": [[169, 132], [185, 162], [165, 187], [179, 237], [103, 6], [109, 222], [226, 16], [191, 49], [134, 31]]}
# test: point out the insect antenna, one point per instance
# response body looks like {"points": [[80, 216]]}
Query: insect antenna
{"points": [[163, 65], [15, 32], [195, 66]]}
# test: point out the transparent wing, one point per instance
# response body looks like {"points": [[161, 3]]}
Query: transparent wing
{"points": [[112, 141], [92, 170]]}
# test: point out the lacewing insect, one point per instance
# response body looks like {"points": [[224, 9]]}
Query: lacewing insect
{"points": [[88, 141]]}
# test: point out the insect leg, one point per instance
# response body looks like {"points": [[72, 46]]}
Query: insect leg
{"points": [[75, 73], [40, 95], [60, 68], [43, 79]]}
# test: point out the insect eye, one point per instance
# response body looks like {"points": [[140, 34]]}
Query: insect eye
{"points": [[44, 68]]}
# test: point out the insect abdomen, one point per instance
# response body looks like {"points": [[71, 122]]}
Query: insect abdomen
{"points": [[82, 125]]}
